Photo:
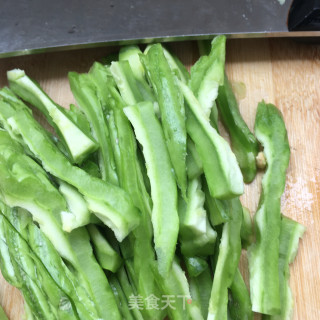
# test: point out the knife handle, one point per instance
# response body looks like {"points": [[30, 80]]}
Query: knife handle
{"points": [[304, 15]]}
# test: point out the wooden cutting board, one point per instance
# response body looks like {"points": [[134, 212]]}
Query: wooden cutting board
{"points": [[282, 72]]}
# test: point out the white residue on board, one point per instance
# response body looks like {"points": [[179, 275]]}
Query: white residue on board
{"points": [[297, 196], [281, 2]]}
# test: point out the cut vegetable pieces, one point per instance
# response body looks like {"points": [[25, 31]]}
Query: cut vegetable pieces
{"points": [[163, 187], [103, 296], [220, 166], [200, 288], [207, 75], [195, 266], [264, 253], [45, 298], [85, 93], [227, 263], [23, 183], [247, 234], [195, 234], [239, 305], [126, 82], [132, 55], [107, 257], [244, 143], [96, 209], [172, 111], [72, 283], [291, 232], [176, 287], [111, 204], [77, 142], [78, 214]]}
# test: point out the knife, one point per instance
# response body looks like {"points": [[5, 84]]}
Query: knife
{"points": [[29, 26]]}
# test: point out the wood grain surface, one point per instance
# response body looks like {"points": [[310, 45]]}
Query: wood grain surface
{"points": [[280, 71]]}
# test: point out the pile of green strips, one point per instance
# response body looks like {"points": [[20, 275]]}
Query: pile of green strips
{"points": [[131, 209]]}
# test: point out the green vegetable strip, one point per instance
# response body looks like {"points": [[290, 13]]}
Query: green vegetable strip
{"points": [[3, 316], [247, 236], [177, 66], [68, 219], [101, 74], [264, 253], [110, 203], [79, 118], [79, 214], [172, 111], [128, 291], [244, 143], [9, 104], [218, 210], [200, 288], [24, 183], [126, 82], [120, 297], [74, 284], [239, 306], [12, 275], [86, 266], [195, 265], [193, 161], [91, 167], [207, 75], [77, 142], [163, 188], [132, 55], [204, 47], [196, 235], [227, 263], [141, 239], [103, 296], [131, 179], [176, 285], [125, 150], [46, 298], [107, 257], [219, 163], [291, 232], [84, 91]]}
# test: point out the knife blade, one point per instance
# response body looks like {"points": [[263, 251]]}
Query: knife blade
{"points": [[29, 26]]}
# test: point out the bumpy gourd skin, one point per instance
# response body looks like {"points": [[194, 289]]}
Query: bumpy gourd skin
{"points": [[264, 253], [172, 110], [79, 144], [110, 203], [244, 144], [220, 166], [23, 269], [139, 242], [239, 305], [23, 183], [85, 93], [165, 218], [291, 232], [227, 263], [207, 75]]}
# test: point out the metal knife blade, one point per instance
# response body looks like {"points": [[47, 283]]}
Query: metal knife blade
{"points": [[28, 26]]}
